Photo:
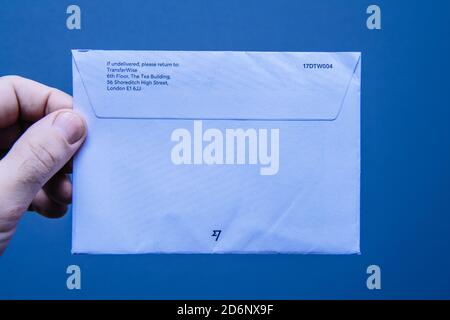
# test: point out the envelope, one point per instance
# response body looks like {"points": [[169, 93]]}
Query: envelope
{"points": [[217, 152]]}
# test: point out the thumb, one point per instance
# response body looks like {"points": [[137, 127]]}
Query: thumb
{"points": [[40, 153]]}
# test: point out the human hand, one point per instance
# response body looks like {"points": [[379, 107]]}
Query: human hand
{"points": [[39, 133]]}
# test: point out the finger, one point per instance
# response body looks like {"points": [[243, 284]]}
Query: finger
{"points": [[9, 135], [45, 206], [59, 189], [28, 100], [40, 153], [68, 167], [7, 229], [25, 125]]}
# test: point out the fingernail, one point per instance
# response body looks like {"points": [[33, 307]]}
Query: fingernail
{"points": [[71, 126]]}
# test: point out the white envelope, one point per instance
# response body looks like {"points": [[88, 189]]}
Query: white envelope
{"points": [[217, 152]]}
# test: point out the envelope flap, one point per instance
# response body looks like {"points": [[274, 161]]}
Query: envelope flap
{"points": [[215, 85]]}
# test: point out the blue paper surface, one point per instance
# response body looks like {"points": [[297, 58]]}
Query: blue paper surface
{"points": [[404, 145]]}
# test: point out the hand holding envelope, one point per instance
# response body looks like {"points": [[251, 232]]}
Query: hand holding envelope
{"points": [[217, 152], [39, 133]]}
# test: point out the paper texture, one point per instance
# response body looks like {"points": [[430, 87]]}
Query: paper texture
{"points": [[217, 152]]}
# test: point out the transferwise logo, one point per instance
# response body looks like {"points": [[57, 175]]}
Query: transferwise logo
{"points": [[232, 147]]}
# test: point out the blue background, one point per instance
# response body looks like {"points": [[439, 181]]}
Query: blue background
{"points": [[405, 196]]}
